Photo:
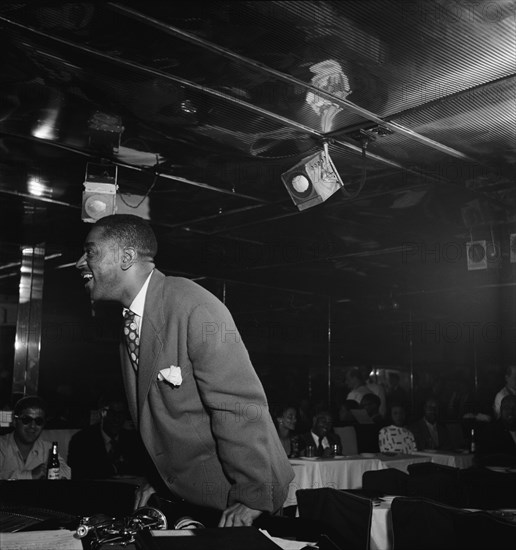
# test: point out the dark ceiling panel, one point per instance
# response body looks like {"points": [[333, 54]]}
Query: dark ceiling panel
{"points": [[218, 99]]}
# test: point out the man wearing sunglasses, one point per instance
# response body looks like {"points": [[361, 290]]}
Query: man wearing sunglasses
{"points": [[23, 453]]}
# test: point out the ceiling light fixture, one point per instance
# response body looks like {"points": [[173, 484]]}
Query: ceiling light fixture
{"points": [[99, 195], [313, 180]]}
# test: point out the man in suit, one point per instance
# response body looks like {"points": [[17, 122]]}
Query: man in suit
{"points": [[107, 448], [321, 436], [508, 389], [497, 440], [428, 431], [192, 391]]}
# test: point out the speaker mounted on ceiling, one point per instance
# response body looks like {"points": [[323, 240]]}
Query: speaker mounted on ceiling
{"points": [[483, 254], [99, 195], [313, 180], [477, 255]]}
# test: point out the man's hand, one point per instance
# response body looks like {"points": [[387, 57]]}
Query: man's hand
{"points": [[238, 515], [142, 494], [39, 472]]}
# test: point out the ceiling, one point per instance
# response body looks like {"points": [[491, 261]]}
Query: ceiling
{"points": [[202, 106]]}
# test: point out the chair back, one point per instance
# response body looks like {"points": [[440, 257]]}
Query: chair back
{"points": [[429, 525], [488, 490], [390, 481], [344, 517], [348, 438], [435, 481]]}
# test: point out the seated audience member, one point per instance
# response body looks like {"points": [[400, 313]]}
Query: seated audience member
{"points": [[497, 441], [23, 453], [428, 431], [321, 436], [286, 426], [396, 438], [356, 385], [371, 404], [107, 448], [508, 389]]}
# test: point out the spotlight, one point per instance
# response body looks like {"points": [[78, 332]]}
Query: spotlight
{"points": [[483, 255], [313, 180], [477, 255], [99, 195]]}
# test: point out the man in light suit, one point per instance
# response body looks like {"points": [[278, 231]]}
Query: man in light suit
{"points": [[192, 390]]}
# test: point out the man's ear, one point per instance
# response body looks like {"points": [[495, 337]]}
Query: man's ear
{"points": [[129, 256]]}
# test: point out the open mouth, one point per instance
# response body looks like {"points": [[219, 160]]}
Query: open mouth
{"points": [[87, 277]]}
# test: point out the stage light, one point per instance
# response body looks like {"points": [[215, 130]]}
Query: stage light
{"points": [[313, 180], [477, 255], [99, 195]]}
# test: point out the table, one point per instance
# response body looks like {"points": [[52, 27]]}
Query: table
{"points": [[336, 473], [228, 538], [448, 458]]}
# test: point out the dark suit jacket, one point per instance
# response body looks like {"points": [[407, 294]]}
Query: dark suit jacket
{"points": [[307, 439], [211, 438], [495, 446], [88, 458], [424, 439]]}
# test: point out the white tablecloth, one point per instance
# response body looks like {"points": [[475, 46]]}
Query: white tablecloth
{"points": [[448, 458], [336, 473], [381, 527]]}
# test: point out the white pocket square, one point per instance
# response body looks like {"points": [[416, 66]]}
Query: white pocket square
{"points": [[172, 375]]}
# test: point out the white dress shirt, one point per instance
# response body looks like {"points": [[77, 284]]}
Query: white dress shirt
{"points": [[12, 465], [138, 304]]}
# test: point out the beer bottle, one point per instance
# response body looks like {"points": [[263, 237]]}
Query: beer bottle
{"points": [[53, 463], [472, 442]]}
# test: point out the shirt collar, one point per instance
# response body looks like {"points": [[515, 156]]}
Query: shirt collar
{"points": [[316, 437], [430, 426], [138, 303]]}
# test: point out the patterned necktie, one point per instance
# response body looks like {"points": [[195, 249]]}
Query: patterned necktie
{"points": [[131, 336], [320, 448]]}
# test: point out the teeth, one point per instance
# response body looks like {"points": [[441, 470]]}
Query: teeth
{"points": [[87, 276]]}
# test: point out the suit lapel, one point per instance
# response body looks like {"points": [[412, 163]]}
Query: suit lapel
{"points": [[151, 343]]}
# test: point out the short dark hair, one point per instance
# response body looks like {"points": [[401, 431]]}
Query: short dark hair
{"points": [[30, 402], [321, 413], [508, 369], [110, 397], [130, 230]]}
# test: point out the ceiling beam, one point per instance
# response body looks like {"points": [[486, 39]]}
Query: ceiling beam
{"points": [[242, 60]]}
